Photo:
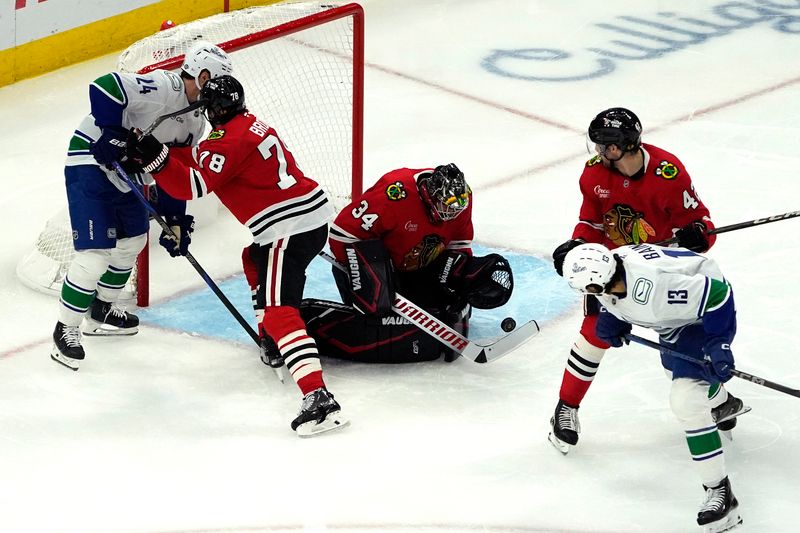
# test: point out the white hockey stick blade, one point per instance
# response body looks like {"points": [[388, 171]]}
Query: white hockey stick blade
{"points": [[472, 350]]}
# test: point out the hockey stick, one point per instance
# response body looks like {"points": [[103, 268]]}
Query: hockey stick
{"points": [[739, 374], [191, 107], [474, 351], [741, 225], [200, 270]]}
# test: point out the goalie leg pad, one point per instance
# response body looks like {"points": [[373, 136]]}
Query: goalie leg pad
{"points": [[370, 276], [343, 333]]}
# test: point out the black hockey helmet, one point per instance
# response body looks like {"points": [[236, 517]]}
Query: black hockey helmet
{"points": [[618, 126], [444, 191], [224, 99]]}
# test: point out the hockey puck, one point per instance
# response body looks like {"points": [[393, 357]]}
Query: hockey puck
{"points": [[508, 324]]}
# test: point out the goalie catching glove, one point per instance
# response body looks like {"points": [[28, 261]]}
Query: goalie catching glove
{"points": [[482, 282]]}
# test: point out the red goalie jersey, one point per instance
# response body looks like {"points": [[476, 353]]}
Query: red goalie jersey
{"points": [[392, 210], [255, 177], [618, 210]]}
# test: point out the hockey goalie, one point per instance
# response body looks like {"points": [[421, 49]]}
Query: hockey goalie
{"points": [[411, 232]]}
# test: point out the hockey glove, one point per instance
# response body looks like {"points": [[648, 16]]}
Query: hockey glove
{"points": [[719, 351], [561, 252], [611, 329], [182, 227], [147, 154], [110, 146], [693, 237]]}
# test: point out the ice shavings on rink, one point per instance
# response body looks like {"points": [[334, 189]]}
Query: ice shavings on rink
{"points": [[539, 294]]}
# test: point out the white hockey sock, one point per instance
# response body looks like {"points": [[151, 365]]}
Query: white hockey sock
{"points": [[80, 285], [120, 266]]}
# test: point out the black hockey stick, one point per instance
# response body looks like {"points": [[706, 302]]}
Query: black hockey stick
{"points": [[200, 270], [739, 374], [474, 351], [191, 107], [741, 225]]}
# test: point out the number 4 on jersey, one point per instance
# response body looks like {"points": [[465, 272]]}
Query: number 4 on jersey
{"points": [[367, 219], [689, 202]]}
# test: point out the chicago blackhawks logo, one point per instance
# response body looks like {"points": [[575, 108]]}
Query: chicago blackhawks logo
{"points": [[593, 161], [216, 134], [623, 225], [667, 170], [423, 253], [395, 191]]}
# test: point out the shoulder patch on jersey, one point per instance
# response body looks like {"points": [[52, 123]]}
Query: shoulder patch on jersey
{"points": [[593, 161], [667, 170], [396, 191], [177, 84], [216, 134], [642, 288]]}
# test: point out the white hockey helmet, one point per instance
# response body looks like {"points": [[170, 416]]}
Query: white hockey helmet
{"points": [[589, 265], [204, 55]]}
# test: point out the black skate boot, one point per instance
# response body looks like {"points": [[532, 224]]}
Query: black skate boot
{"points": [[318, 413], [270, 355], [720, 510], [67, 349], [565, 427], [106, 318], [725, 414]]}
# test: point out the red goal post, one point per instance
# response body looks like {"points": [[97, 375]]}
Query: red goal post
{"points": [[302, 67]]}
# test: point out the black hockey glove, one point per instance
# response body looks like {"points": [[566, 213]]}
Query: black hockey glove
{"points": [[146, 154], [182, 226], [110, 146], [611, 329], [561, 252], [693, 237]]}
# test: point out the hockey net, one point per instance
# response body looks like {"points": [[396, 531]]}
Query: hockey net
{"points": [[301, 65]]}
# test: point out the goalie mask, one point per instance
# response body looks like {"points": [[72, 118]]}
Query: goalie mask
{"points": [[224, 99], [445, 192]]}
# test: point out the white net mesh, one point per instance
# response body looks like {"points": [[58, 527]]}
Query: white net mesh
{"points": [[301, 83], [298, 78]]}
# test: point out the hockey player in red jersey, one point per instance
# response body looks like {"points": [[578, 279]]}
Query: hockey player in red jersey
{"points": [[411, 231], [633, 193], [247, 165]]}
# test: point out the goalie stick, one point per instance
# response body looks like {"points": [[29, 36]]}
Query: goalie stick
{"points": [[738, 373], [472, 350]]}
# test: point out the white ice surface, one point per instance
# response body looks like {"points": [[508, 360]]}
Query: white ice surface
{"points": [[168, 432]]}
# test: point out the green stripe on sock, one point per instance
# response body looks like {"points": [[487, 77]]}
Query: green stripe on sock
{"points": [[713, 389], [79, 300], [704, 444], [115, 279]]}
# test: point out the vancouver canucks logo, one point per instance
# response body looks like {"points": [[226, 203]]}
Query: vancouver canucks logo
{"points": [[396, 191], [216, 134], [623, 225], [667, 170]]}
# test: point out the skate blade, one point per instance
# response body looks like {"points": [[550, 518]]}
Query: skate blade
{"points": [[740, 412], [99, 329], [559, 444], [279, 373], [69, 362], [726, 524], [332, 421], [728, 434]]}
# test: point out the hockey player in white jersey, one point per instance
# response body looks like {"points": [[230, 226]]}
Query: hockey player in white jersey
{"points": [[109, 223], [685, 298]]}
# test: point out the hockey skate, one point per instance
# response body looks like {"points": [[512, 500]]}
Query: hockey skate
{"points": [[564, 427], [725, 415], [271, 356], [720, 510], [318, 413], [67, 349], [106, 318]]}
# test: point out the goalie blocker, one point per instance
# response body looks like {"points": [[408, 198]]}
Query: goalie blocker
{"points": [[364, 328]]}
